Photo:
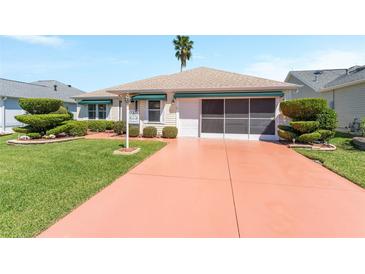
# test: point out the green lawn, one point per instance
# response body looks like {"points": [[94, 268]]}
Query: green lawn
{"points": [[346, 160], [42, 183]]}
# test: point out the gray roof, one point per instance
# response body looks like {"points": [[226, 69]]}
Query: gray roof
{"points": [[357, 74], [320, 79], [39, 89], [325, 79]]}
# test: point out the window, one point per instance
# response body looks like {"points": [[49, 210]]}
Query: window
{"points": [[102, 111], [154, 111], [92, 111]]}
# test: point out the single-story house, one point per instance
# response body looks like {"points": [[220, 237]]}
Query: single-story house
{"points": [[201, 102], [344, 89], [11, 91]]}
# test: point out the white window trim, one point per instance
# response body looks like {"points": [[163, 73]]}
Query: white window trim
{"points": [[162, 113], [107, 110]]}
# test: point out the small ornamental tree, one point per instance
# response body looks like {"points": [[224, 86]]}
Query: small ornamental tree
{"points": [[42, 115], [311, 121]]}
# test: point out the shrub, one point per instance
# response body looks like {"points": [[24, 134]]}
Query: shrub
{"points": [[40, 105], [327, 119], [303, 109], [109, 125], [34, 135], [97, 125], [61, 110], [309, 137], [325, 134], [119, 127], [58, 130], [77, 128], [286, 128], [149, 132], [169, 132], [305, 126], [73, 128], [42, 122], [362, 127], [26, 129], [287, 135], [133, 131]]}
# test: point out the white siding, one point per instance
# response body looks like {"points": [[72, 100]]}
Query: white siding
{"points": [[350, 104]]}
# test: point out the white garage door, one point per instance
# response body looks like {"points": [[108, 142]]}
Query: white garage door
{"points": [[189, 114]]}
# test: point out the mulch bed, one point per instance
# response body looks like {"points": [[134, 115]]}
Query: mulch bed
{"points": [[41, 141]]}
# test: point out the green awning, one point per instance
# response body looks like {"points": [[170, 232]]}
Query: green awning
{"points": [[229, 94], [138, 97], [95, 102]]}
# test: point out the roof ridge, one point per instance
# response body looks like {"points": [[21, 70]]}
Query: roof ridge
{"points": [[17, 81]]}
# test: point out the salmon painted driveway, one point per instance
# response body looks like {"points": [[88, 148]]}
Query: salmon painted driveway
{"points": [[217, 188]]}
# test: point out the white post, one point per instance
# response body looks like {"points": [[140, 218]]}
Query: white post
{"points": [[127, 101], [2, 114]]}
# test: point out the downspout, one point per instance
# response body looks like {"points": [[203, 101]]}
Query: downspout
{"points": [[2, 106]]}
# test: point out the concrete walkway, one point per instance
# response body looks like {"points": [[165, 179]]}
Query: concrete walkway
{"points": [[216, 188]]}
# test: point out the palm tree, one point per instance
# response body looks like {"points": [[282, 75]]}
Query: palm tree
{"points": [[183, 46]]}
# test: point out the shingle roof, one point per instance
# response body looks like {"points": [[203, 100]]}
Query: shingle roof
{"points": [[39, 89], [320, 79], [356, 75], [196, 80]]}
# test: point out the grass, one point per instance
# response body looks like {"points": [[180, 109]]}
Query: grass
{"points": [[40, 184], [346, 160]]}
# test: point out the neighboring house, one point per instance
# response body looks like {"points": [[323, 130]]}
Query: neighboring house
{"points": [[11, 91], [201, 102], [344, 89]]}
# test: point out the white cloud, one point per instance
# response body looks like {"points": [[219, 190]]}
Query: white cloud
{"points": [[277, 68], [43, 40]]}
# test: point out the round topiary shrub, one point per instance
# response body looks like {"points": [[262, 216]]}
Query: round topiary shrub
{"points": [[42, 122], [327, 119], [40, 105], [133, 131], [119, 127], [169, 132], [287, 135], [149, 132], [309, 137], [303, 109], [305, 126]]}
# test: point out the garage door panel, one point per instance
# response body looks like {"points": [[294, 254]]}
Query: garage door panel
{"points": [[262, 108], [236, 108], [236, 126], [262, 126], [212, 125]]}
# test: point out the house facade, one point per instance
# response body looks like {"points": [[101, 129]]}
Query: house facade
{"points": [[344, 90], [201, 102], [11, 91]]}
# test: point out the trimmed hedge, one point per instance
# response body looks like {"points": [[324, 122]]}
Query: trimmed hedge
{"points": [[303, 109], [42, 122], [325, 134], [26, 129], [40, 105], [305, 126], [169, 132], [133, 131], [77, 128], [119, 127], [34, 135], [149, 132], [286, 128], [100, 125], [327, 119], [73, 128], [287, 135], [309, 137]]}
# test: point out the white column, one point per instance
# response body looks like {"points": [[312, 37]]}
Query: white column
{"points": [[2, 113]]}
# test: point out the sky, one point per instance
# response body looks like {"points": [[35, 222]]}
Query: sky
{"points": [[94, 62]]}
